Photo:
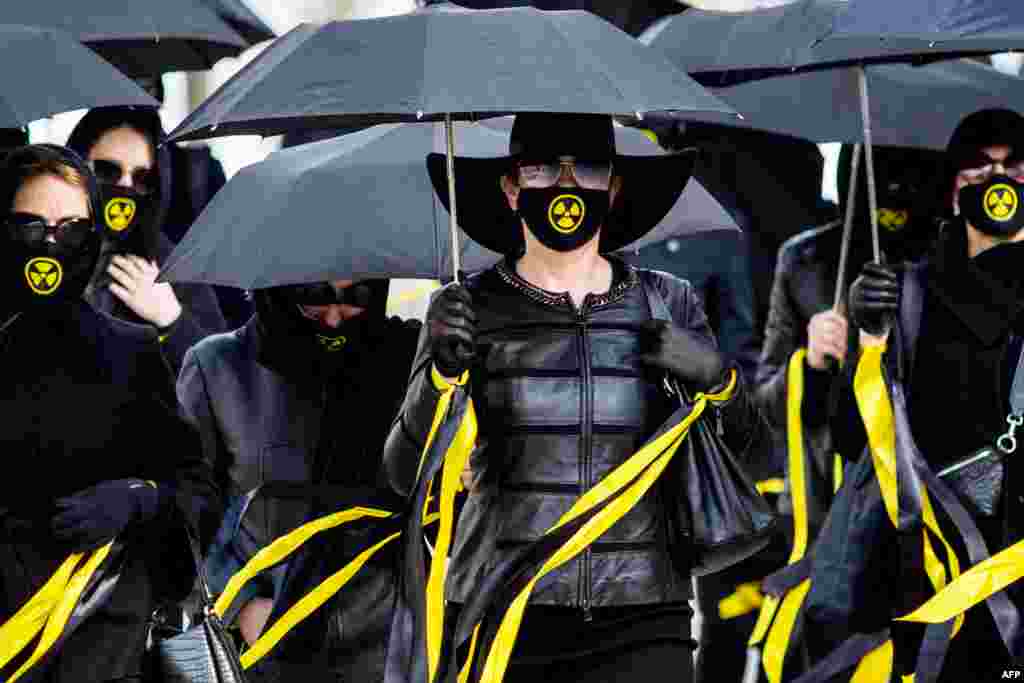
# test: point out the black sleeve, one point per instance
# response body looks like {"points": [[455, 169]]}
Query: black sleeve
{"points": [[737, 330], [746, 432]]}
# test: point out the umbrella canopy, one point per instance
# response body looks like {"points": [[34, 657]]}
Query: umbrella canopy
{"points": [[61, 75], [722, 48], [910, 106], [142, 37], [429, 63], [242, 19], [362, 205], [631, 17], [884, 30]]}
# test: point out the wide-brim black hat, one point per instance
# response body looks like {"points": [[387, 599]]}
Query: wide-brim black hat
{"points": [[651, 185]]}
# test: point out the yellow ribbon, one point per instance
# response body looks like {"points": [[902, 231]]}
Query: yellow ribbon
{"points": [[48, 610], [778, 616], [774, 485], [972, 587], [745, 599], [643, 469], [875, 406], [876, 666], [285, 546]]}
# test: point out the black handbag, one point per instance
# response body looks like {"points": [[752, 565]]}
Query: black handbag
{"points": [[720, 516], [205, 653], [979, 479]]}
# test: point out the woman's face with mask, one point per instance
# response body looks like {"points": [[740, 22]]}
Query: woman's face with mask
{"points": [[124, 157]]}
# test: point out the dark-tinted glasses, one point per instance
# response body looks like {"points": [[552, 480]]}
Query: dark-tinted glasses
{"points": [[32, 230], [592, 174], [323, 294], [144, 180]]}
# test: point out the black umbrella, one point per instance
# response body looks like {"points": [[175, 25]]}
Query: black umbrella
{"points": [[141, 37], [887, 30], [446, 64], [631, 17], [60, 75], [267, 226], [911, 106], [242, 19]]}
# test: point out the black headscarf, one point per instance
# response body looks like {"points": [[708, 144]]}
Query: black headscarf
{"points": [[145, 120]]}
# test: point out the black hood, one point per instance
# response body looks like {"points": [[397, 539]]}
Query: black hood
{"points": [[906, 179], [288, 341], [146, 120]]}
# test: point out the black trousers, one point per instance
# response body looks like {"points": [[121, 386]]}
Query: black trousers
{"points": [[638, 663]]}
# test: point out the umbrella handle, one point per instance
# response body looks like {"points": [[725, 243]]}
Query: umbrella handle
{"points": [[449, 134]]}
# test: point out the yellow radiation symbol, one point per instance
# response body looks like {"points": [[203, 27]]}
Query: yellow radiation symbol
{"points": [[43, 275], [1001, 202], [565, 213], [893, 219], [332, 343], [119, 213]]}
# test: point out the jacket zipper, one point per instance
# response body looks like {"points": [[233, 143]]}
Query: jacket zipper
{"points": [[587, 438]]}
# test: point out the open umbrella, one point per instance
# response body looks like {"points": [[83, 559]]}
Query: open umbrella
{"points": [[242, 19], [266, 227], [61, 75], [447, 64], [142, 37]]}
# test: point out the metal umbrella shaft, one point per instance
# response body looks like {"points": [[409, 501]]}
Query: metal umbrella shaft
{"points": [[865, 113], [449, 134], [844, 248]]}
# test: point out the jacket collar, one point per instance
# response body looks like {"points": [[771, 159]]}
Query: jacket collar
{"points": [[624, 278], [979, 293]]}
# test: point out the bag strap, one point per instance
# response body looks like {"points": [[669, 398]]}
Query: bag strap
{"points": [[1017, 389], [197, 556]]}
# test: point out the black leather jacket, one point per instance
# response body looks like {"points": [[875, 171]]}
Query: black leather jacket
{"points": [[562, 399], [805, 282]]}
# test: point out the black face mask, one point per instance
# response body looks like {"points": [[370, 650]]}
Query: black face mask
{"points": [[127, 220], [42, 274], [993, 207], [563, 218]]}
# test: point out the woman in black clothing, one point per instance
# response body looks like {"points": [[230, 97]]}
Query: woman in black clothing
{"points": [[567, 372], [77, 391], [121, 145]]}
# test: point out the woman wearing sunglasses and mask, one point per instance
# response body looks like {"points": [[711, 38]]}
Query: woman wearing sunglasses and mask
{"points": [[567, 370], [121, 146], [76, 388]]}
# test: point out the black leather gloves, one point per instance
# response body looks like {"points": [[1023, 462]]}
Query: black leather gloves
{"points": [[90, 518], [875, 298], [451, 330], [683, 354]]}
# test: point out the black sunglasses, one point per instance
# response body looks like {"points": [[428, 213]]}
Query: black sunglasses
{"points": [[323, 294], [110, 172], [32, 230]]}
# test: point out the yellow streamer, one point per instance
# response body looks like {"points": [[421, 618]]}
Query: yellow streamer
{"points": [[876, 410], [285, 546], [745, 599], [777, 643], [309, 603], [774, 485], [778, 615], [27, 622], [876, 666], [62, 610], [645, 467], [454, 462], [837, 472]]}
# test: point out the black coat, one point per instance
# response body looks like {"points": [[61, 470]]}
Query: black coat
{"points": [[957, 365], [805, 282], [562, 400], [86, 399], [200, 312]]}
